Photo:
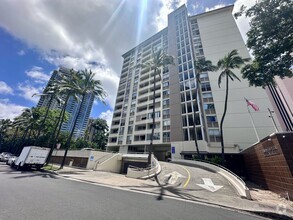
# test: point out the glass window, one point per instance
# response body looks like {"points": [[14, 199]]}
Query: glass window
{"points": [[185, 75], [192, 84], [183, 109], [190, 120], [191, 74], [180, 77], [189, 108], [187, 86], [181, 87], [188, 97], [184, 121], [182, 97], [185, 132]]}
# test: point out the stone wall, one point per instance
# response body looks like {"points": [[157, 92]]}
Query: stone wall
{"points": [[269, 163]]}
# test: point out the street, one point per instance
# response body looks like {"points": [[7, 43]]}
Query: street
{"points": [[39, 195]]}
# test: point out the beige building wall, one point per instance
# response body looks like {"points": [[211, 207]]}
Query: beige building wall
{"points": [[220, 35]]}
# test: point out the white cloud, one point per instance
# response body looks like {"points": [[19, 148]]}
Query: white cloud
{"points": [[21, 52], [215, 7], [37, 74], [9, 110], [107, 116], [243, 22], [27, 91], [5, 89], [167, 7]]}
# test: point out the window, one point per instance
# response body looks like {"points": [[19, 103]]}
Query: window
{"points": [[191, 74], [185, 75], [166, 103], [181, 77], [184, 121], [182, 97], [188, 97], [190, 120], [166, 113]]}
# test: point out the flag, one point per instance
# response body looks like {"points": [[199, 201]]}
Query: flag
{"points": [[254, 106]]}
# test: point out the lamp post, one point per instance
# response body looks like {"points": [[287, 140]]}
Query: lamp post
{"points": [[273, 120]]}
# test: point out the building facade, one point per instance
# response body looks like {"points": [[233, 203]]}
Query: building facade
{"points": [[210, 35], [71, 107], [281, 97]]}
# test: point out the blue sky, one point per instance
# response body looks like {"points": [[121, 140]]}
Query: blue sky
{"points": [[36, 37]]}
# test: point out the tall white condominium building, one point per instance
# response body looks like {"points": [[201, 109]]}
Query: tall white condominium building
{"points": [[211, 35], [71, 107]]}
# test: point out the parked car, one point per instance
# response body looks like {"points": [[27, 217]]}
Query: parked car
{"points": [[11, 161], [5, 156]]}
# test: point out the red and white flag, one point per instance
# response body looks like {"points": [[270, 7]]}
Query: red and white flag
{"points": [[250, 103]]}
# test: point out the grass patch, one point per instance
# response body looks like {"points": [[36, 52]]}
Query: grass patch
{"points": [[51, 167]]}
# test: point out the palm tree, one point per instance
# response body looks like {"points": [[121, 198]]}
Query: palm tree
{"points": [[5, 124], [201, 65], [85, 85], [231, 61], [67, 87], [159, 59], [28, 119], [51, 91]]}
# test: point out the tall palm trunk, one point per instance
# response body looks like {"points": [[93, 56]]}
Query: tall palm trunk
{"points": [[153, 127], [45, 118], [22, 140], [71, 133], [222, 120], [194, 114], [59, 122]]}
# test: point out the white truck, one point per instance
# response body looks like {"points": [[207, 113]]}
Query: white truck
{"points": [[32, 156]]}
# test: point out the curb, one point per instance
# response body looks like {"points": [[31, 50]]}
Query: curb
{"points": [[265, 214]]}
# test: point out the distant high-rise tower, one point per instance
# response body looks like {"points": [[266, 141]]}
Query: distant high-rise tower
{"points": [[71, 108], [210, 35]]}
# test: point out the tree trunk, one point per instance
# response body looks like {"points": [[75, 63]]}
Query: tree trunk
{"points": [[153, 127], [13, 139], [222, 120], [44, 120], [194, 114], [71, 133], [57, 126]]}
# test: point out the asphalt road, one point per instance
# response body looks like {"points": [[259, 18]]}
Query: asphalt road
{"points": [[37, 195]]}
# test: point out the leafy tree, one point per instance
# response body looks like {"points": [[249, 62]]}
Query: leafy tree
{"points": [[159, 59], [270, 38], [5, 124], [84, 85], [101, 133], [51, 91], [231, 61], [201, 65]]}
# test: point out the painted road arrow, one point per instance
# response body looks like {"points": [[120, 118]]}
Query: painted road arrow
{"points": [[172, 177], [209, 185]]}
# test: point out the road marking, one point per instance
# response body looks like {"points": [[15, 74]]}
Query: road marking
{"points": [[173, 177], [188, 178], [209, 185]]}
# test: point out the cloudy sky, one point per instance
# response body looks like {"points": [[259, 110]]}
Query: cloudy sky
{"points": [[38, 36]]}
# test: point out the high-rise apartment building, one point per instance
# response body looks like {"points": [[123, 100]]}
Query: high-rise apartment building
{"points": [[71, 107], [211, 35]]}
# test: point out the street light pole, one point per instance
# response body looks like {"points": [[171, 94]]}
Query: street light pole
{"points": [[273, 120]]}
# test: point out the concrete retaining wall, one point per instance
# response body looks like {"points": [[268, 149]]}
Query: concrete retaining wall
{"points": [[236, 181]]}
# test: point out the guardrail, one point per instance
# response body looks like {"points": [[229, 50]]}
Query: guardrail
{"points": [[235, 180]]}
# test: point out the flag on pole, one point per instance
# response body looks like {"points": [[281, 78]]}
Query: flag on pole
{"points": [[250, 103]]}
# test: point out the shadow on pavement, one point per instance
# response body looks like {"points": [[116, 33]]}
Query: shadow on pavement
{"points": [[30, 174]]}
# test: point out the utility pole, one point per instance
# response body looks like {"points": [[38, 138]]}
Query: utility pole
{"points": [[273, 120]]}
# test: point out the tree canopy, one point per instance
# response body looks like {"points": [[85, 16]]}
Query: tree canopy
{"points": [[270, 39]]}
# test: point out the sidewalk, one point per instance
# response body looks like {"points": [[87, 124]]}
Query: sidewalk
{"points": [[264, 202]]}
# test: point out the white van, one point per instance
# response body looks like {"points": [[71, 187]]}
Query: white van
{"points": [[32, 156]]}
